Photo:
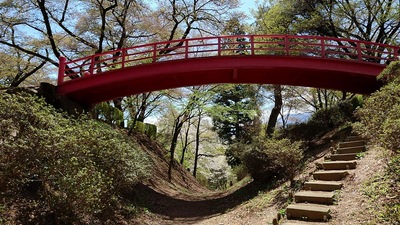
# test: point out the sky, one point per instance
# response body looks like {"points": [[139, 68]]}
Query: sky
{"points": [[246, 6]]}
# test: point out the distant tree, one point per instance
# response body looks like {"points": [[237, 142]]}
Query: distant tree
{"points": [[219, 179], [140, 107], [64, 28], [16, 67], [236, 115], [369, 20], [290, 103], [183, 108], [205, 95], [271, 20], [318, 99], [377, 21], [235, 26], [236, 107], [174, 20], [182, 118], [197, 148]]}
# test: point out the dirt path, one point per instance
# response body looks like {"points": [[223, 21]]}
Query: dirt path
{"points": [[254, 203], [214, 208]]}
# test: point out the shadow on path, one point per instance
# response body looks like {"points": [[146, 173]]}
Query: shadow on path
{"points": [[174, 208]]}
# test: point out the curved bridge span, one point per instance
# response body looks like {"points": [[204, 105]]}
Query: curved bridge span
{"points": [[313, 61]]}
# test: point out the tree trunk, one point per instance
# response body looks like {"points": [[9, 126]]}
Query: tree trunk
{"points": [[326, 96], [344, 95], [143, 107], [273, 118], [321, 104], [186, 144], [118, 105], [196, 156], [177, 130]]}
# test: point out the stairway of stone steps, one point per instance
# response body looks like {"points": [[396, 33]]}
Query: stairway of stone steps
{"points": [[312, 203]]}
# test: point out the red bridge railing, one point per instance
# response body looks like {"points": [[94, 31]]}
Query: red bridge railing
{"points": [[251, 45]]}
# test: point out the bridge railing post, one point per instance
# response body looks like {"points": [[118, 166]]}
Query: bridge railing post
{"points": [[92, 63], [323, 52], [359, 52], [252, 44], [61, 69], [123, 55], [219, 46], [287, 45], [186, 49], [154, 52]]}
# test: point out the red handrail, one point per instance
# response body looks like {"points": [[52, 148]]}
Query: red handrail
{"points": [[221, 46]]}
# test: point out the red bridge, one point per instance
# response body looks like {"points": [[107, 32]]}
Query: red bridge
{"points": [[313, 61]]}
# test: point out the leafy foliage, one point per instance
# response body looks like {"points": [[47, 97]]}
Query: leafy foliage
{"points": [[322, 121], [234, 112], [335, 18], [79, 166], [109, 114], [236, 116], [380, 122], [268, 157], [146, 128], [391, 73], [379, 118]]}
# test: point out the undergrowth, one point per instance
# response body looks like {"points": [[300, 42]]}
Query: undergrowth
{"points": [[380, 122], [59, 170], [383, 192]]}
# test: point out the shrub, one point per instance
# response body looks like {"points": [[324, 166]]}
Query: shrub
{"points": [[240, 172], [234, 153], [268, 157], [80, 165], [151, 130], [323, 120], [383, 191], [380, 122], [391, 73], [379, 117], [108, 113], [145, 128]]}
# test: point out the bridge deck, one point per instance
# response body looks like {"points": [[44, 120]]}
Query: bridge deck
{"points": [[330, 63]]}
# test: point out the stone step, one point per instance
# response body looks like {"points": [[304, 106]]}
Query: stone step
{"points": [[318, 197], [339, 165], [330, 175], [308, 212], [343, 157], [355, 138], [347, 150], [317, 185], [296, 223], [347, 144]]}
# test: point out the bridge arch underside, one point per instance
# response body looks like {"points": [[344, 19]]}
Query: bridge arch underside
{"points": [[349, 76]]}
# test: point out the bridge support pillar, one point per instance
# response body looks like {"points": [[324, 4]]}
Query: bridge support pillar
{"points": [[49, 93]]}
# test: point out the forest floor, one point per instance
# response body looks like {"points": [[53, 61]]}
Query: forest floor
{"points": [[185, 201]]}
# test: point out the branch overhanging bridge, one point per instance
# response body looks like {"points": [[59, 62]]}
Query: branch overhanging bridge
{"points": [[312, 61]]}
